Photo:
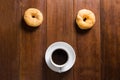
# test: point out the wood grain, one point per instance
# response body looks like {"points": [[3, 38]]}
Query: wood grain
{"points": [[32, 44], [88, 63], [9, 49], [110, 39], [60, 28]]}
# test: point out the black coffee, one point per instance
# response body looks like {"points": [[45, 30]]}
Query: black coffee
{"points": [[59, 56]]}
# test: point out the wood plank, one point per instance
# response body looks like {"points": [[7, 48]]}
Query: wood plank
{"points": [[9, 49], [60, 28], [33, 44], [88, 64], [110, 38]]}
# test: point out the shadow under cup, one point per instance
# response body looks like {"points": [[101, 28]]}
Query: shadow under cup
{"points": [[59, 57]]}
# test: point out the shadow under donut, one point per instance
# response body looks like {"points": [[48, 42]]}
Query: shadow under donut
{"points": [[28, 28], [81, 31]]}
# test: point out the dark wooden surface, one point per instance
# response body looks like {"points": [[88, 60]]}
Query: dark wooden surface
{"points": [[88, 65], [32, 44], [110, 39], [9, 40], [22, 49]]}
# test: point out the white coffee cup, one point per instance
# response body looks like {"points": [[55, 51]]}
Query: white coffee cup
{"points": [[69, 51]]}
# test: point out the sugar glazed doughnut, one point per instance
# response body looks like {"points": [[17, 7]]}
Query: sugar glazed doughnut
{"points": [[85, 19], [33, 17]]}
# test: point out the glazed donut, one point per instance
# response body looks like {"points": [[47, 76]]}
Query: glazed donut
{"points": [[85, 19], [33, 17]]}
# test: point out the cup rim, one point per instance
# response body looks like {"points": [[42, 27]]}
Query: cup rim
{"points": [[57, 65]]}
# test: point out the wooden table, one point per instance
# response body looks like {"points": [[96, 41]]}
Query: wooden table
{"points": [[22, 49]]}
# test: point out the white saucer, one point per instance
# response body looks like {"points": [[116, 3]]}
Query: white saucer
{"points": [[71, 56]]}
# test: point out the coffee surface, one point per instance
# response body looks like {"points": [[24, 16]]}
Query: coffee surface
{"points": [[59, 57]]}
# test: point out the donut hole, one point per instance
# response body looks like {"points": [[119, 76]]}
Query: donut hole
{"points": [[33, 16], [84, 19]]}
